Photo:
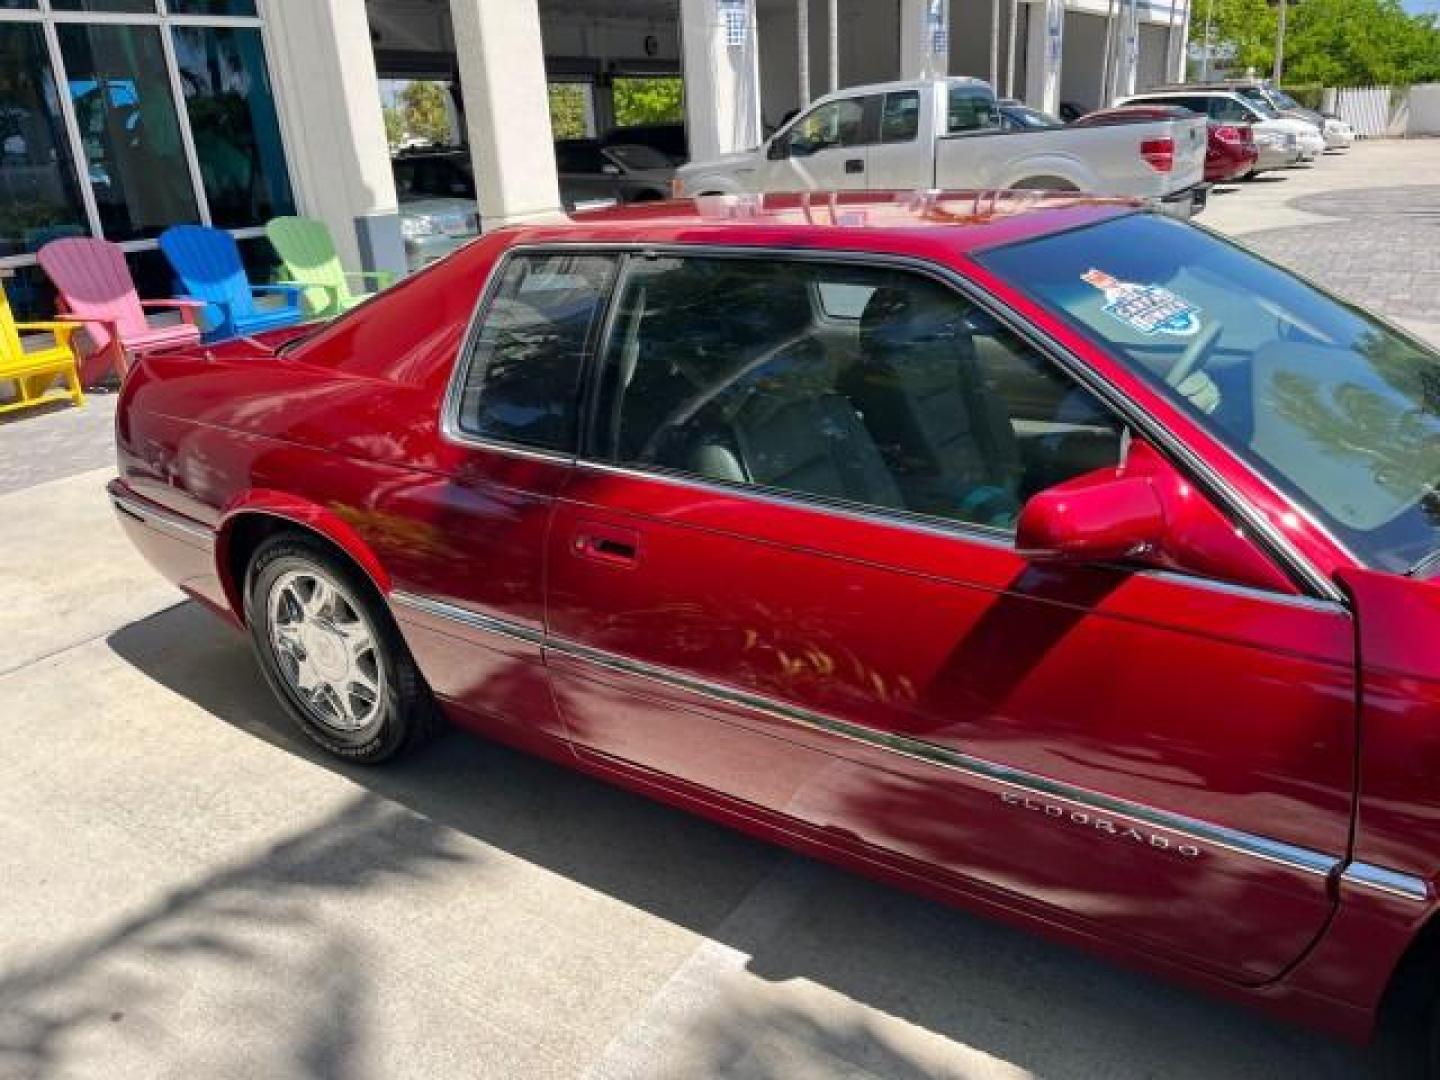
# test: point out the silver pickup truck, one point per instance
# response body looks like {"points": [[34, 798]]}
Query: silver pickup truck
{"points": [[947, 133]]}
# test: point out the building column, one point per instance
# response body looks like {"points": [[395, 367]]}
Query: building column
{"points": [[329, 104], [1127, 51], [1179, 40], [501, 63], [720, 42], [924, 39], [1043, 53]]}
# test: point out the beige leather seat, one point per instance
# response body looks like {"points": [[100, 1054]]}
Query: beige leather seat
{"points": [[946, 438]]}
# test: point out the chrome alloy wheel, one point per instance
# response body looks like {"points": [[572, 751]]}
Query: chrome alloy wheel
{"points": [[326, 650]]}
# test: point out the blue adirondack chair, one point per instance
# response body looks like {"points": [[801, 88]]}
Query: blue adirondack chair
{"points": [[208, 268]]}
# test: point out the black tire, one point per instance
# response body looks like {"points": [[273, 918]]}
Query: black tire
{"points": [[1407, 1041], [401, 716]]}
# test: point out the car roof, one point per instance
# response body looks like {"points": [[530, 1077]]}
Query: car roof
{"points": [[962, 220], [904, 84], [1172, 91], [1218, 84]]}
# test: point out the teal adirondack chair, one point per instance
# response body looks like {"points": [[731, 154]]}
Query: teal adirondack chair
{"points": [[305, 247]]}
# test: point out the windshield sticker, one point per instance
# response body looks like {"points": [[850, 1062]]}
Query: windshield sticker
{"points": [[1150, 309]]}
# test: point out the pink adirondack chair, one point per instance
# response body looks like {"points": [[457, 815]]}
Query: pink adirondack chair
{"points": [[96, 290]]}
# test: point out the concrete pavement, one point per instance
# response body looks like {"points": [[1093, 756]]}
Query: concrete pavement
{"points": [[187, 889], [190, 890]]}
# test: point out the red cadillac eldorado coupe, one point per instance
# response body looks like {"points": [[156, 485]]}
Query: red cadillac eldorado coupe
{"points": [[1045, 555]]}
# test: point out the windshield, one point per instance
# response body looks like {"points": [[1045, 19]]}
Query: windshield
{"points": [[1255, 96], [1335, 408], [1281, 100], [635, 156]]}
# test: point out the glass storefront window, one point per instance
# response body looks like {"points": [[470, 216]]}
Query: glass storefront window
{"points": [[26, 5], [234, 125], [123, 7], [30, 293], [210, 7], [135, 159], [39, 197]]}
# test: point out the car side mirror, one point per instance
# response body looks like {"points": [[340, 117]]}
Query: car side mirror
{"points": [[777, 151], [1147, 512], [1092, 520]]}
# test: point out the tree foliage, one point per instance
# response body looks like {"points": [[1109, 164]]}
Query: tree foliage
{"points": [[422, 109], [1333, 42], [394, 125], [656, 100], [568, 111], [1359, 42], [1246, 26]]}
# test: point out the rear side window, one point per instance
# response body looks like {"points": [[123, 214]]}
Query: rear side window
{"points": [[972, 109], [901, 120], [524, 364]]}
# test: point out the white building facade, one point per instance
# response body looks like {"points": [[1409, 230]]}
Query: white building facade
{"points": [[125, 116]]}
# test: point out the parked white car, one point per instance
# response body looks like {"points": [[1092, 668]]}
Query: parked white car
{"points": [[1337, 133], [949, 133], [1233, 107]]}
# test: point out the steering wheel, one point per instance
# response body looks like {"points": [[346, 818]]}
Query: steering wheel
{"points": [[1193, 358]]}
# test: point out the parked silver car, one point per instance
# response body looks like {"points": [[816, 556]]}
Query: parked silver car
{"points": [[438, 211]]}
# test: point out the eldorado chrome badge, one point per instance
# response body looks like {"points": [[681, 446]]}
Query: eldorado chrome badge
{"points": [[1119, 830]]}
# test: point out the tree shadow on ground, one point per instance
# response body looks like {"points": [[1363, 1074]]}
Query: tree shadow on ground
{"points": [[230, 919], [873, 952]]}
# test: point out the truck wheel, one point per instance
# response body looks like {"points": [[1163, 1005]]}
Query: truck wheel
{"points": [[1043, 183], [332, 654]]}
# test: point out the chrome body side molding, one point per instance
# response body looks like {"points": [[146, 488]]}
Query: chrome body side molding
{"points": [[439, 609], [1392, 882], [143, 510], [1007, 778]]}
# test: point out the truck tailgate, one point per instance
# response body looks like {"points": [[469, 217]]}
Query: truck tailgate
{"points": [[1190, 140]]}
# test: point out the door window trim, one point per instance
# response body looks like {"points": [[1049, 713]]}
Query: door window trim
{"points": [[1317, 589]]}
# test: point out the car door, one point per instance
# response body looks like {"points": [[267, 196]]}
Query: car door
{"points": [[467, 544], [897, 160], [827, 149], [784, 573]]}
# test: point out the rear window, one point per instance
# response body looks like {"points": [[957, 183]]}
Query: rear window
{"points": [[522, 373]]}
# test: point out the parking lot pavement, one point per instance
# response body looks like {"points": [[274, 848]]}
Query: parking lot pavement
{"points": [[61, 441], [1364, 223], [187, 889]]}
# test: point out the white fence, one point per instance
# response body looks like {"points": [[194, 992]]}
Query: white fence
{"points": [[1378, 112]]}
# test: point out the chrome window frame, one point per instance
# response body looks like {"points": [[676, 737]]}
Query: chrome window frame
{"points": [[1319, 591]]}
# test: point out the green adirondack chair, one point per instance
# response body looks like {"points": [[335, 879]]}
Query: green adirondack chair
{"points": [[305, 246]]}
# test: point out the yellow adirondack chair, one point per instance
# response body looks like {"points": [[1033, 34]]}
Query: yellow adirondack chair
{"points": [[34, 365]]}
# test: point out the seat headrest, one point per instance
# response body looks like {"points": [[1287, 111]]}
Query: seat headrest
{"points": [[913, 315]]}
